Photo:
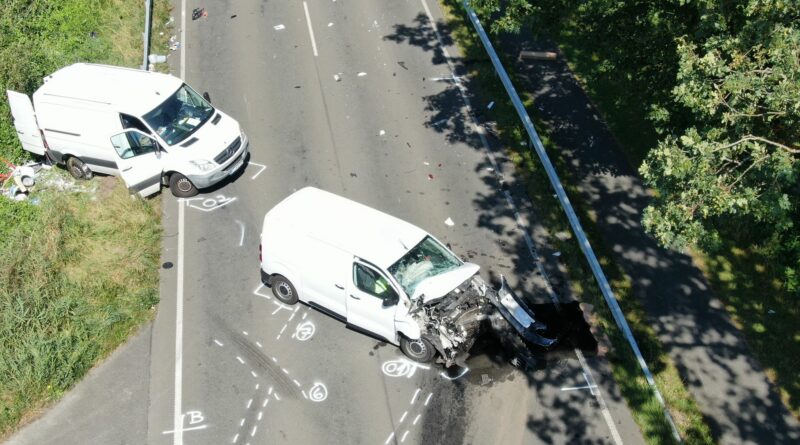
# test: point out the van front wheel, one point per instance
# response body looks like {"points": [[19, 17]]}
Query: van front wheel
{"points": [[419, 350], [78, 169], [283, 289], [181, 186]]}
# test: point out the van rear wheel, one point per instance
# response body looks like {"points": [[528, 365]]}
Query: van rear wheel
{"points": [[78, 169], [181, 186], [283, 289], [419, 350]]}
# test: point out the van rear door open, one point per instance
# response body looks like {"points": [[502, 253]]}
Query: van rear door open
{"points": [[25, 122], [139, 161]]}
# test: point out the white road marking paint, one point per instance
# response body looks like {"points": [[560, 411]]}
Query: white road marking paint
{"points": [[403, 417], [278, 27], [428, 399], [285, 371], [414, 397], [249, 402], [305, 314], [241, 423], [310, 29], [245, 333], [296, 383], [445, 79], [389, 438], [177, 439], [260, 414], [293, 314], [219, 343], [416, 419], [263, 167], [318, 392], [282, 329], [401, 367], [269, 391], [304, 394], [253, 373], [466, 370], [241, 238], [240, 359], [304, 331], [589, 384], [264, 405], [259, 345], [280, 306], [277, 397], [210, 204], [256, 292], [253, 433], [201, 427], [183, 39], [404, 437], [257, 385], [236, 437], [482, 135]]}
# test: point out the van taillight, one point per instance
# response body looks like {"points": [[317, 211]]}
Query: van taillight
{"points": [[259, 253]]}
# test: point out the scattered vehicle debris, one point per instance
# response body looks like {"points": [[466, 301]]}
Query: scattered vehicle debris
{"points": [[278, 27], [199, 12]]}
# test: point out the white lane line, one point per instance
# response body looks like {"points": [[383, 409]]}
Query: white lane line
{"points": [[219, 343], [253, 373], [482, 135], [389, 438], [241, 423], [260, 414], [253, 433], [259, 345], [264, 405], [183, 45], [414, 397], [310, 29], [240, 359], [404, 437], [416, 419], [403, 417], [241, 238], [249, 402], [177, 418], [428, 399], [235, 438]]}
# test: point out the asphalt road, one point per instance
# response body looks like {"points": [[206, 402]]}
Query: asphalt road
{"points": [[364, 110]]}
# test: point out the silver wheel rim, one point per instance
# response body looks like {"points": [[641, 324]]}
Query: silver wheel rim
{"points": [[417, 348], [75, 169], [184, 185], [284, 290]]}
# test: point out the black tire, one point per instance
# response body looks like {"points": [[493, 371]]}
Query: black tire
{"points": [[283, 289], [78, 169], [181, 186], [419, 350]]}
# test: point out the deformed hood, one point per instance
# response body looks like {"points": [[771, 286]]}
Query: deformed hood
{"points": [[438, 286]]}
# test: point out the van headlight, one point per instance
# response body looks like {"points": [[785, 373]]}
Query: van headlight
{"points": [[203, 165]]}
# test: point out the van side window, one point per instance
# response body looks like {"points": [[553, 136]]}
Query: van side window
{"points": [[129, 121], [131, 143], [372, 282]]}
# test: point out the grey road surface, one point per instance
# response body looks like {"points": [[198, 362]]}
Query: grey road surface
{"points": [[371, 116]]}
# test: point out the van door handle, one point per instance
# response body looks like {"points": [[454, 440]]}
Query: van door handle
{"points": [[126, 169], [339, 286], [354, 297]]}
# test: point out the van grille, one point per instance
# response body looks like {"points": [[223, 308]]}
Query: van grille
{"points": [[228, 152]]}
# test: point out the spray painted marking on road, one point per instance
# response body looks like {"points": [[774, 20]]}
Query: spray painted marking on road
{"points": [[304, 331], [209, 204], [196, 420], [310, 29], [401, 368], [241, 238], [219, 343], [263, 167], [462, 374]]}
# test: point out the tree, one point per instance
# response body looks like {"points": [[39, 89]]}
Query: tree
{"points": [[738, 160]]}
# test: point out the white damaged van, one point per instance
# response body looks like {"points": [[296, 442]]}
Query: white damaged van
{"points": [[385, 276], [149, 128]]}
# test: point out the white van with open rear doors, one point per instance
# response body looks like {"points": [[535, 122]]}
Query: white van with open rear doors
{"points": [[149, 128], [386, 277]]}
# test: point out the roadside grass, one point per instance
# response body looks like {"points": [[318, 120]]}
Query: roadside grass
{"points": [[77, 277], [645, 408], [78, 271], [750, 284]]}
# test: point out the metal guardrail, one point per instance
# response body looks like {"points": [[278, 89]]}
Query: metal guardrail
{"points": [[148, 23], [583, 241]]}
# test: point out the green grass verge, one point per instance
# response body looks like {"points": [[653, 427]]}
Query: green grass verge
{"points": [[750, 283], [645, 408], [78, 272]]}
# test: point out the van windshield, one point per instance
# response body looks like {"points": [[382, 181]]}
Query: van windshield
{"points": [[426, 259], [180, 115]]}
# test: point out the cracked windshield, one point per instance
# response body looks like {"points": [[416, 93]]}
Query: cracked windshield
{"points": [[180, 115], [426, 259]]}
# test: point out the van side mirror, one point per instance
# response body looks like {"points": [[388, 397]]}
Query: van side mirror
{"points": [[391, 300], [207, 96]]}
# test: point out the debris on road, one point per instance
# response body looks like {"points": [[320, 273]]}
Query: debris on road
{"points": [[278, 27], [234, 16], [199, 12], [330, 24], [337, 77], [491, 104], [381, 133], [174, 43], [557, 254], [449, 222], [430, 177], [362, 74]]}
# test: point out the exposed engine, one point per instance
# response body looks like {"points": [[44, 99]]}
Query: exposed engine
{"points": [[453, 322]]}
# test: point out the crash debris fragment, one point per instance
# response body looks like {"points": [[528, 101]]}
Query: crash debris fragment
{"points": [[449, 222], [199, 12]]}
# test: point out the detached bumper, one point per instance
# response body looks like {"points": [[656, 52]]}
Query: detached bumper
{"points": [[230, 167], [520, 316]]}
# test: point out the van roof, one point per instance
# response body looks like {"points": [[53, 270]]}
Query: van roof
{"points": [[128, 90], [367, 233]]}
